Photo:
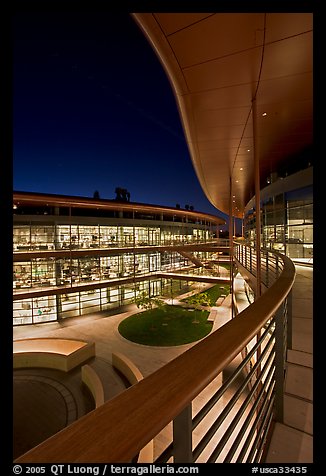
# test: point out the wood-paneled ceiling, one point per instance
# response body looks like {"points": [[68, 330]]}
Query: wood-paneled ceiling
{"points": [[217, 64]]}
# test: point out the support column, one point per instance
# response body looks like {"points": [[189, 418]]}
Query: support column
{"points": [[257, 199], [231, 245], [258, 226]]}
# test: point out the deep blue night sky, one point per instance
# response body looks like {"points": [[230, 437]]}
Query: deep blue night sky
{"points": [[94, 110]]}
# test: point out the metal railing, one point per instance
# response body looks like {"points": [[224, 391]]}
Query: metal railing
{"points": [[244, 360], [271, 264]]}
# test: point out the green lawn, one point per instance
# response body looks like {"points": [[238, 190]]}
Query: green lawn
{"points": [[167, 326], [214, 293]]}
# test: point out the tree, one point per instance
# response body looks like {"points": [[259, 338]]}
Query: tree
{"points": [[199, 300], [122, 194], [96, 194], [144, 301]]}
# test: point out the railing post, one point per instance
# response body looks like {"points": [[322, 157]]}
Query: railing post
{"points": [[289, 320], [182, 436], [279, 364], [276, 267]]}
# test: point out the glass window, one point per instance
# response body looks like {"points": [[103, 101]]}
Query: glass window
{"points": [[89, 236], [22, 275], [154, 236], [89, 269], [42, 237], [69, 304], [113, 296], [308, 213], [74, 237], [22, 312], [63, 236], [141, 263], [126, 236], [155, 288], [110, 298], [300, 196], [108, 236], [43, 272], [63, 270], [141, 236], [21, 238], [90, 301], [44, 309], [154, 262], [127, 294], [127, 264], [295, 215]]}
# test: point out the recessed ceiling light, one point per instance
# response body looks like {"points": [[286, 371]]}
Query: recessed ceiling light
{"points": [[264, 114], [248, 150], [241, 168], [237, 181]]}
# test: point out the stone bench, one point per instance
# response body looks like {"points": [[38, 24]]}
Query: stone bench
{"points": [[55, 353], [93, 382], [212, 316], [127, 368], [220, 300]]}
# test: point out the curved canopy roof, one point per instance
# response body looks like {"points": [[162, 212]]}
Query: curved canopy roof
{"points": [[217, 64]]}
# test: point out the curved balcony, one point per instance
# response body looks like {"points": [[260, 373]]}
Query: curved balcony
{"points": [[246, 360]]}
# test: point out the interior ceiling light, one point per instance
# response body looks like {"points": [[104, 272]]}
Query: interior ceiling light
{"points": [[241, 168], [264, 114], [248, 150]]}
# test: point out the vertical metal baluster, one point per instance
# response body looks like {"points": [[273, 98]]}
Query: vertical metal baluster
{"points": [[279, 364], [182, 436], [289, 320]]}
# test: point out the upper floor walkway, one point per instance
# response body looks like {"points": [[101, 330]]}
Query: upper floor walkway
{"points": [[292, 441]]}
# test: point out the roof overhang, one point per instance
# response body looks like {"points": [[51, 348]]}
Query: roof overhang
{"points": [[39, 199], [217, 64]]}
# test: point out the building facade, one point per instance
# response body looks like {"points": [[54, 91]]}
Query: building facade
{"points": [[286, 215], [74, 256]]}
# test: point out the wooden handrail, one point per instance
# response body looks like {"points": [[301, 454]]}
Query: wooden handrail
{"points": [[120, 428]]}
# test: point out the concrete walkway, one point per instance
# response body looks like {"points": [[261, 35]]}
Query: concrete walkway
{"points": [[292, 442]]}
